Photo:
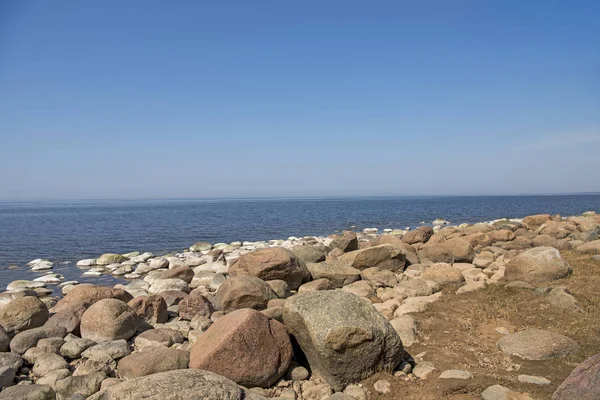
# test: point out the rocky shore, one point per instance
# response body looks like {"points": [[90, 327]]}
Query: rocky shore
{"points": [[493, 310]]}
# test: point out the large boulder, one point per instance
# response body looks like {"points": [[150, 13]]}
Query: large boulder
{"points": [[246, 347], [69, 309], [339, 275], [270, 264], [309, 254], [108, 320], [22, 314], [419, 235], [443, 274], [185, 384], [538, 265], [384, 256], [150, 309], [243, 292], [455, 250], [343, 337], [159, 359], [347, 242], [583, 383], [537, 344], [592, 247]]}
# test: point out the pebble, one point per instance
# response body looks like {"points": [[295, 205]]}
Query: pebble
{"points": [[502, 330]]}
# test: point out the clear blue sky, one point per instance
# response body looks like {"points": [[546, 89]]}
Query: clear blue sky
{"points": [[158, 99]]}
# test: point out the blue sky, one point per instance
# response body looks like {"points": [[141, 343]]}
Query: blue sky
{"points": [[158, 99]]}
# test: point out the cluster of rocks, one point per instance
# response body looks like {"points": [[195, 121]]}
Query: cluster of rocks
{"points": [[306, 318]]}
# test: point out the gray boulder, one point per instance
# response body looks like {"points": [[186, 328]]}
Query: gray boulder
{"points": [[538, 265], [343, 337], [583, 383], [28, 392], [537, 344], [107, 320]]}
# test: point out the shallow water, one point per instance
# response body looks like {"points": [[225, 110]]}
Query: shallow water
{"points": [[70, 231]]}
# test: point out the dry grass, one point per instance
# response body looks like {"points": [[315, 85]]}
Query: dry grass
{"points": [[458, 332]]}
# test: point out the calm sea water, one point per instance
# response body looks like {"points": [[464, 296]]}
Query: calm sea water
{"points": [[69, 231]]}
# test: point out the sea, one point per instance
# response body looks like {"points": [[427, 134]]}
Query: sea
{"points": [[67, 231]]}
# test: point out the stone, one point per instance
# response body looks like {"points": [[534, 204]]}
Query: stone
{"points": [[419, 235], [443, 274], [109, 258], [385, 256], [316, 391], [535, 380], [412, 288], [560, 297], [243, 292], [183, 272], [22, 314], [190, 384], [455, 374], [533, 222], [382, 386], [7, 377], [499, 392], [88, 262], [270, 264], [108, 320], [450, 251], [150, 309], [107, 351], [538, 265], [51, 378], [28, 392], [356, 392], [173, 297], [23, 341], [84, 385], [343, 337], [406, 327], [361, 289], [90, 366], [163, 285], [297, 373], [317, 284], [379, 277], [200, 323], [11, 360], [194, 305], [583, 383], [536, 344], [4, 340], [244, 346], [423, 369], [160, 359], [346, 242], [309, 254], [200, 246], [339, 275], [158, 337], [416, 304], [281, 288], [73, 348], [51, 345], [48, 362], [472, 287], [592, 247]]}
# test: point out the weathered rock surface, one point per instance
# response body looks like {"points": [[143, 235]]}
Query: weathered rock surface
{"points": [[243, 292], [108, 320], [270, 264], [150, 309], [244, 346], [159, 359], [537, 344], [537, 265], [343, 337], [23, 341], [190, 383], [339, 275], [22, 314], [28, 392], [443, 274], [583, 383], [384, 256], [193, 305]]}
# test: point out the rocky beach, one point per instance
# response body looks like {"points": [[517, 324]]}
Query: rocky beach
{"points": [[504, 309]]}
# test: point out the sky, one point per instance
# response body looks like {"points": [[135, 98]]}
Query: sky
{"points": [[192, 99]]}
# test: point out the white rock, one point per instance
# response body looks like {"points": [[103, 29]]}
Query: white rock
{"points": [[536, 380], [455, 374], [88, 262], [50, 278]]}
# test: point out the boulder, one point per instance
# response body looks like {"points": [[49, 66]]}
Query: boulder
{"points": [[84, 295], [384, 256], [379, 277], [281, 288], [343, 337], [244, 346], [339, 275], [561, 297], [243, 292], [158, 337], [189, 383], [317, 284], [183, 272], [47, 363], [107, 351], [84, 385], [160, 359], [108, 320], [538, 265], [309, 254], [592, 247], [4, 340], [110, 258], [419, 235], [150, 309], [272, 263], [537, 344], [193, 305], [583, 383], [22, 314], [28, 392], [533, 222], [443, 274], [163, 285], [455, 250], [361, 288], [73, 348], [347, 242], [23, 341]]}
